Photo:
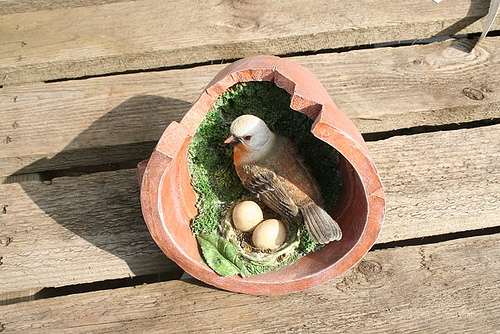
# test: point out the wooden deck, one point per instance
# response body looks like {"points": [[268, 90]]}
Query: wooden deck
{"points": [[88, 86]]}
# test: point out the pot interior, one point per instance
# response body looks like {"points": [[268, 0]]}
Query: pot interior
{"points": [[178, 208]]}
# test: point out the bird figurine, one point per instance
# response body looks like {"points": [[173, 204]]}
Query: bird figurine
{"points": [[270, 167]]}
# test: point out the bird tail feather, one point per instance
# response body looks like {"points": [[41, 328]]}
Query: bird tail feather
{"points": [[321, 227]]}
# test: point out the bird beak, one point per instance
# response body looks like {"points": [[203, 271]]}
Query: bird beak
{"points": [[232, 140]]}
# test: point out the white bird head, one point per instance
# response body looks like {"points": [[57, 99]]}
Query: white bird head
{"points": [[253, 134]]}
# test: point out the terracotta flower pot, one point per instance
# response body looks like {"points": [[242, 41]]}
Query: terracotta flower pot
{"points": [[168, 200]]}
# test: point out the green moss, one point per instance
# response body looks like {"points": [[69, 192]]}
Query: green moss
{"points": [[210, 160]]}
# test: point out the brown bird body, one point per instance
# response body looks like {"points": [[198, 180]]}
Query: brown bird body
{"points": [[270, 167]]}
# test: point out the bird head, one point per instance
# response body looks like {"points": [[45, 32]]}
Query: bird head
{"points": [[250, 134]]}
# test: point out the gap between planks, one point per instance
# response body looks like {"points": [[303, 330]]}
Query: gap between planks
{"points": [[110, 38], [44, 293], [433, 187], [471, 39], [48, 176], [113, 119], [447, 287]]}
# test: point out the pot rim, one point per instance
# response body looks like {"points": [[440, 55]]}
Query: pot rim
{"points": [[330, 125]]}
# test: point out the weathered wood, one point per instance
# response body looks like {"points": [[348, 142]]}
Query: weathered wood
{"points": [[91, 122], [22, 6], [117, 118], [110, 38], [90, 228], [449, 287], [75, 230], [441, 182]]}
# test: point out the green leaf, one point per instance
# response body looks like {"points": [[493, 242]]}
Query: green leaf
{"points": [[221, 255]]}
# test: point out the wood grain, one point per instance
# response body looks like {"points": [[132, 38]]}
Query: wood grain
{"points": [[116, 118], [441, 182], [449, 287], [75, 230], [22, 6], [89, 228], [129, 36]]}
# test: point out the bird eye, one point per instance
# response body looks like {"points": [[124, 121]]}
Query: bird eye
{"points": [[247, 137]]}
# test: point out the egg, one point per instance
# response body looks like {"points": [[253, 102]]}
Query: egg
{"points": [[246, 215], [269, 234]]}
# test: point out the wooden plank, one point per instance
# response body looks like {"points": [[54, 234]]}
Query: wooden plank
{"points": [[75, 230], [117, 118], [89, 228], [440, 182], [449, 287], [91, 122], [147, 34], [22, 6]]}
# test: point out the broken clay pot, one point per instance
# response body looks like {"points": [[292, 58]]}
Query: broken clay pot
{"points": [[168, 199]]}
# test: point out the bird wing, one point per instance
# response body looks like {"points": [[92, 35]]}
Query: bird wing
{"points": [[264, 184]]}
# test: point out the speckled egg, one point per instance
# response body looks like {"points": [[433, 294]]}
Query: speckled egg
{"points": [[269, 234], [246, 215]]}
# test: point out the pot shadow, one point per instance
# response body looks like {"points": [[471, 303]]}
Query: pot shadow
{"points": [[104, 208], [477, 10]]}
